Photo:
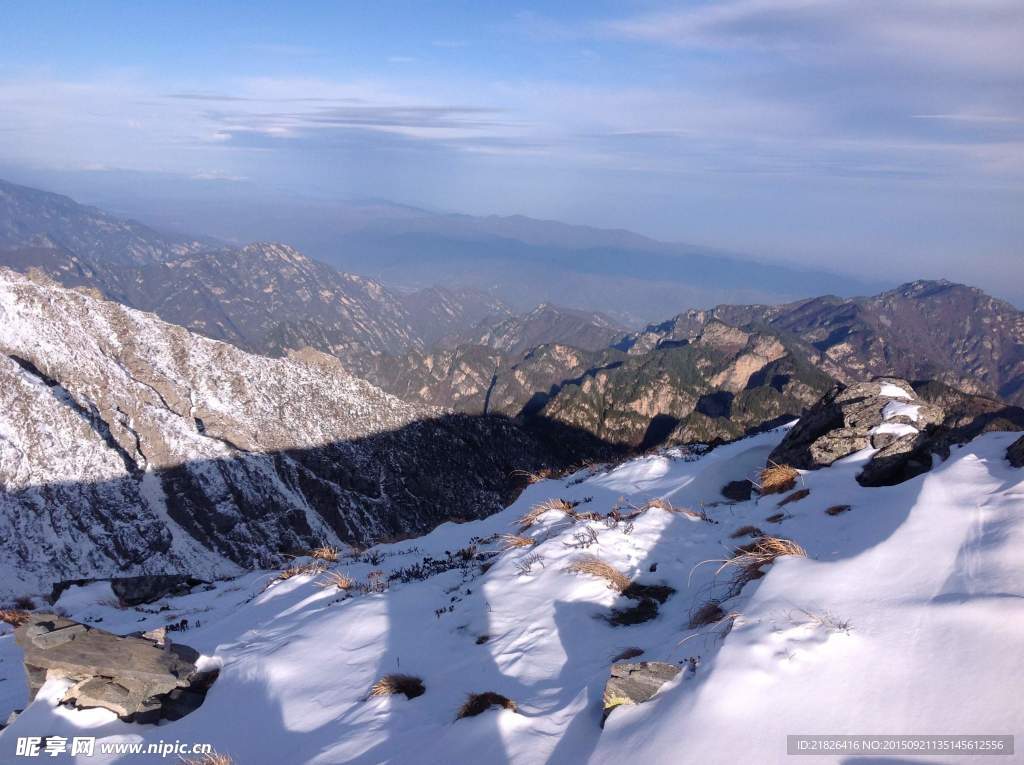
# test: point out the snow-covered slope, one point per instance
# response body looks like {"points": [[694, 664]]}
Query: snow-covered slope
{"points": [[129, 445], [906, 616]]}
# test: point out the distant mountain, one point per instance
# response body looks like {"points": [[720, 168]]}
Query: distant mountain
{"points": [[921, 330], [520, 260], [441, 313], [32, 217], [129, 445], [545, 324], [264, 297]]}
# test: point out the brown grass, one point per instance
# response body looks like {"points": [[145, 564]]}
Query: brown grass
{"points": [[661, 504], [541, 475], [314, 568], [796, 496], [514, 541], [408, 685], [591, 565], [749, 558], [746, 531], [477, 703], [337, 580], [326, 553], [837, 509], [13, 616], [777, 518], [539, 510], [214, 758], [776, 479]]}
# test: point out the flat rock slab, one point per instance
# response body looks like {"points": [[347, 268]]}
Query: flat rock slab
{"points": [[130, 676], [636, 682]]}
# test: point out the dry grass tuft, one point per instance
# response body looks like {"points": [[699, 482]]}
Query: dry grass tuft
{"points": [[837, 509], [477, 703], [313, 569], [213, 758], [13, 616], [531, 478], [337, 580], [750, 558], [776, 518], [776, 479], [594, 566], [408, 685], [325, 553], [537, 511], [514, 541], [659, 503], [746, 531]]}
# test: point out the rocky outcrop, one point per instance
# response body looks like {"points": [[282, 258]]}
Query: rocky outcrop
{"points": [[634, 683], [907, 426], [132, 677], [884, 414], [1015, 453]]}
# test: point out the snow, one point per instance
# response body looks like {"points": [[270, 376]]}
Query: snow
{"points": [[905, 618], [891, 390], [896, 428], [897, 408]]}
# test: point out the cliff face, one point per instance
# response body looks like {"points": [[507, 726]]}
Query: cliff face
{"points": [[128, 445]]}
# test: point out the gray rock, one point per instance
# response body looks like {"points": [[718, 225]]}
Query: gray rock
{"points": [[635, 683], [1015, 454], [738, 491], [130, 676], [844, 421]]}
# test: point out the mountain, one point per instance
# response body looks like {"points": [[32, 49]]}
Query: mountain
{"points": [[724, 383], [131, 445], [520, 260], [442, 313], [264, 297], [921, 330], [32, 217], [516, 334]]}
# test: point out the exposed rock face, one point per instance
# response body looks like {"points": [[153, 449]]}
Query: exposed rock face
{"points": [[1015, 454], [130, 446], [132, 677], [634, 683], [906, 424], [885, 415]]}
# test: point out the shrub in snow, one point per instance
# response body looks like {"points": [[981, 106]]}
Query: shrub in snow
{"points": [[477, 703], [408, 685], [776, 478]]}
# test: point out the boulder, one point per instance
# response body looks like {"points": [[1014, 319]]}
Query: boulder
{"points": [[635, 683], [884, 414], [738, 491], [132, 677], [1015, 454]]}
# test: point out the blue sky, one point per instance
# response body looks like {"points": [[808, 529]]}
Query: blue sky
{"points": [[881, 136]]}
